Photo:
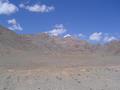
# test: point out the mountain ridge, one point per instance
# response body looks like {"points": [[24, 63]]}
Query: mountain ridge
{"points": [[43, 42]]}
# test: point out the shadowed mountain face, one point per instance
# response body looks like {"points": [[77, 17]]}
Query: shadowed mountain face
{"points": [[44, 43]]}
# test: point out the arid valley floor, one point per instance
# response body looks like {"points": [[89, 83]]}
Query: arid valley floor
{"points": [[60, 73]]}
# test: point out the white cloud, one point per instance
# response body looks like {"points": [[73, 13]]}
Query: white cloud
{"points": [[12, 21], [67, 35], [7, 8], [14, 25], [109, 38], [22, 5], [97, 36], [80, 35], [57, 30], [102, 37], [40, 8]]}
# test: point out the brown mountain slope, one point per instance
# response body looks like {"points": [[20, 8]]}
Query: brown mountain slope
{"points": [[59, 44], [113, 47], [12, 42], [46, 44]]}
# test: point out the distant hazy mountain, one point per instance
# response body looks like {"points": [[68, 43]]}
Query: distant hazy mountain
{"points": [[11, 42]]}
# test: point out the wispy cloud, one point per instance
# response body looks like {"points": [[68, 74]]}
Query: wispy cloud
{"points": [[96, 36], [102, 37], [58, 29], [81, 35], [14, 25], [67, 35], [12, 21], [38, 8], [7, 8], [109, 38]]}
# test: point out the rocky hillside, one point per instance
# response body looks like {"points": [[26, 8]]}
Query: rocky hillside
{"points": [[44, 43], [12, 42], [113, 47]]}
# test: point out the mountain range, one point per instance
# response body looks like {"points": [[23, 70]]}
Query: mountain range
{"points": [[11, 42]]}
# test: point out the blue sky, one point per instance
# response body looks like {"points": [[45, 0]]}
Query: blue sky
{"points": [[87, 17]]}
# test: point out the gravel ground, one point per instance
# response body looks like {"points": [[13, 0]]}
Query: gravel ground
{"points": [[77, 78]]}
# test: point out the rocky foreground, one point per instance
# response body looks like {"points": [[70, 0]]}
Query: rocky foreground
{"points": [[80, 78]]}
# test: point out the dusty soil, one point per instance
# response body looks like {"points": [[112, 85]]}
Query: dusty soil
{"points": [[82, 78], [59, 72]]}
